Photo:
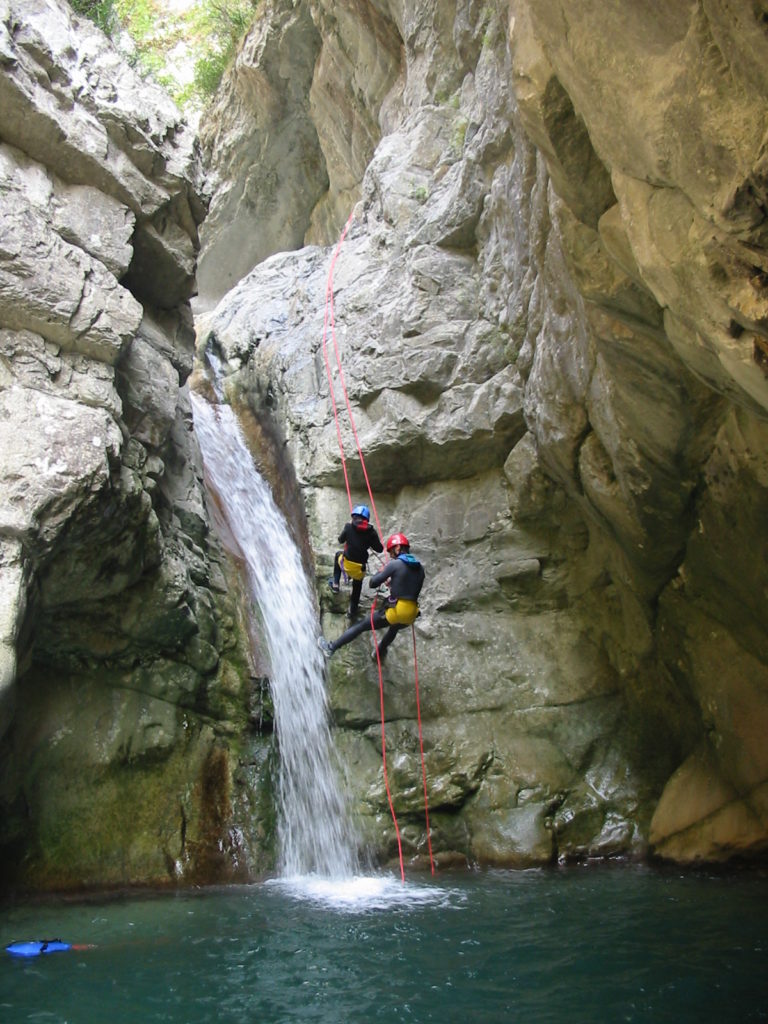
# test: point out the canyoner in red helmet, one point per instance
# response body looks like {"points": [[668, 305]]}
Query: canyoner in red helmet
{"points": [[358, 538], [404, 574], [398, 540]]}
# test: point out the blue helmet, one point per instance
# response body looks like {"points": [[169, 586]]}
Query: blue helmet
{"points": [[363, 511]]}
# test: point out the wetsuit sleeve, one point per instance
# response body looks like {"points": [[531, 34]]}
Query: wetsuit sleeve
{"points": [[343, 534], [374, 542], [383, 574]]}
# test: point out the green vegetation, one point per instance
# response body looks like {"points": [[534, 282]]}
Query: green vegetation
{"points": [[100, 12], [186, 49], [445, 99], [460, 126]]}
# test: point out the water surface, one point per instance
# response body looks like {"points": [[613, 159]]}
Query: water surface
{"points": [[577, 945]]}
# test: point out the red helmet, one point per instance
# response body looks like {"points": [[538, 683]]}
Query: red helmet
{"points": [[397, 538]]}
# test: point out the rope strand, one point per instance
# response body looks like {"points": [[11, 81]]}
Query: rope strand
{"points": [[421, 749], [330, 319], [329, 309], [346, 396], [384, 748]]}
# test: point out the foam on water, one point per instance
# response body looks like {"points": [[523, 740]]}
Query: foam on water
{"points": [[315, 833], [363, 892]]}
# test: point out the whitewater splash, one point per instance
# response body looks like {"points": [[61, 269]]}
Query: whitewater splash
{"points": [[365, 893], [314, 829]]}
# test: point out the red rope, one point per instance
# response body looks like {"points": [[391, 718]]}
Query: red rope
{"points": [[330, 318], [384, 747], [344, 391], [329, 308], [421, 748]]}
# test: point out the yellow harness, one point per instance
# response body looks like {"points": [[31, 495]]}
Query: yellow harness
{"points": [[404, 613], [353, 569]]}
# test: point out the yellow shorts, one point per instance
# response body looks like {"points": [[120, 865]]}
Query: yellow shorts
{"points": [[354, 570], [403, 613]]}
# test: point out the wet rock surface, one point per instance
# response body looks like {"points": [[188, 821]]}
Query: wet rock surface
{"points": [[126, 684], [549, 309]]}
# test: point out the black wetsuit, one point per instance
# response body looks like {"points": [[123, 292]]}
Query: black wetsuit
{"points": [[357, 543], [406, 578]]}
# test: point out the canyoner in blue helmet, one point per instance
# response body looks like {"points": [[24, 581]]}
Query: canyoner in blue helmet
{"points": [[404, 575], [358, 538]]}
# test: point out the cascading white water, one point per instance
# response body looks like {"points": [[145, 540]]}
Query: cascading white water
{"points": [[314, 829]]}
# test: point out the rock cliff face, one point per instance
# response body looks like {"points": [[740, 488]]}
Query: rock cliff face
{"points": [[124, 681], [551, 307]]}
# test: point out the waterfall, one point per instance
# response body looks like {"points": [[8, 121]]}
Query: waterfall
{"points": [[314, 831]]}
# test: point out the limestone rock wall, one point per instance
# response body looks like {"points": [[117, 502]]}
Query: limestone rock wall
{"points": [[125, 681], [550, 305], [688, 226], [290, 134], [551, 309]]}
